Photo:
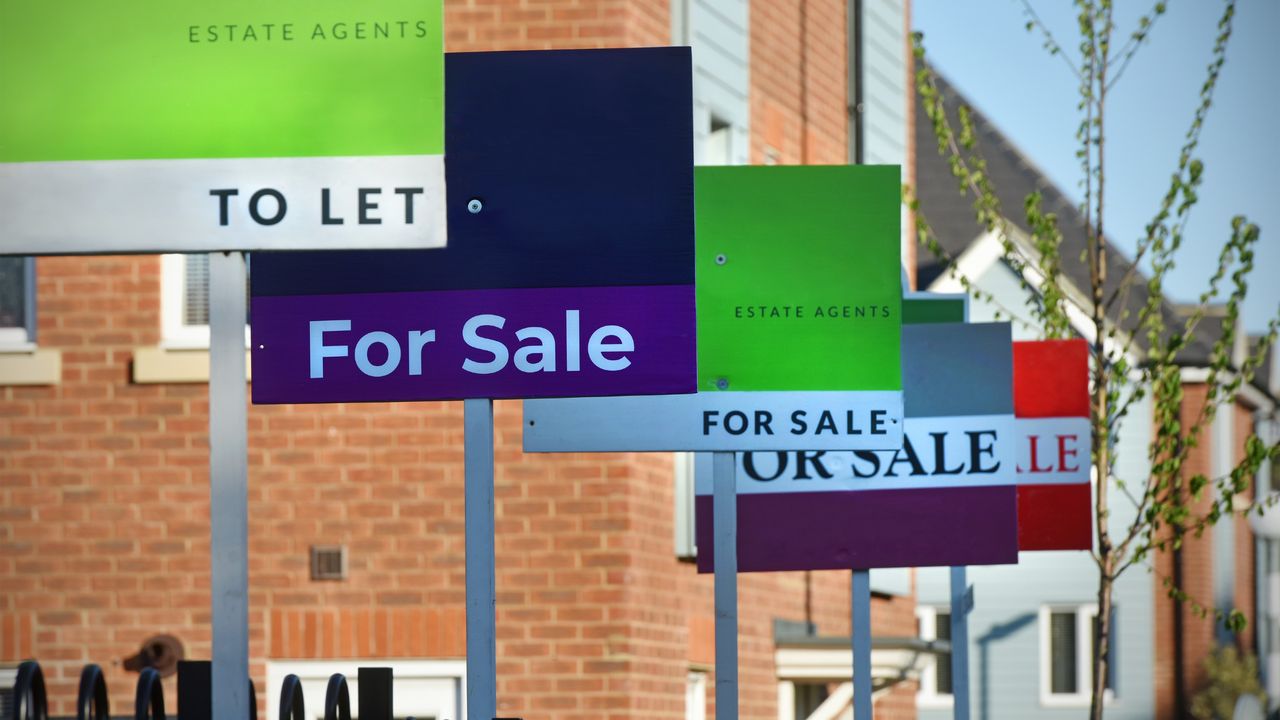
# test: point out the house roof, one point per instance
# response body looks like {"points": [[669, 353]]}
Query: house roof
{"points": [[1014, 176]]}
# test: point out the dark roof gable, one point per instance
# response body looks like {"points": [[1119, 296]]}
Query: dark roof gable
{"points": [[1013, 176]]}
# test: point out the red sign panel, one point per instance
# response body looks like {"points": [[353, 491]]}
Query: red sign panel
{"points": [[1055, 498]]}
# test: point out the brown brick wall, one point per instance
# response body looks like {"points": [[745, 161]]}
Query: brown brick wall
{"points": [[909, 249], [798, 88], [104, 509], [1197, 558]]}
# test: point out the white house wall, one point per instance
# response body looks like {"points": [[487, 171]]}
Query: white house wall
{"points": [[719, 33], [884, 78], [1005, 646]]}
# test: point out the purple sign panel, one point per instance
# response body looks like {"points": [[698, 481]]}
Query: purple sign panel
{"points": [[531, 342], [868, 529]]}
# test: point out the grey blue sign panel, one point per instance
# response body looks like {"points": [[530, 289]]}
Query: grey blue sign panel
{"points": [[569, 269], [946, 496]]}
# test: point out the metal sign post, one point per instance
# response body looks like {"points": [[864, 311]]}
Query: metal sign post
{"points": [[961, 604], [860, 624], [482, 647], [228, 484], [726, 585]]}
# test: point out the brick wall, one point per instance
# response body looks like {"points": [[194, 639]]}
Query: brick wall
{"points": [[1197, 560], [104, 509], [798, 83]]}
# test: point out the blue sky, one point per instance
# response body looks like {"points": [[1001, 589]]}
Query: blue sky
{"points": [[984, 49]]}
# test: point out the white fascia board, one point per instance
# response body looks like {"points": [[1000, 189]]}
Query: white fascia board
{"points": [[987, 250], [1257, 400]]}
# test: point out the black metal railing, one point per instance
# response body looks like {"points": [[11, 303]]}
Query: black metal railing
{"points": [[292, 705], [91, 701], [374, 697], [148, 701], [337, 699], [29, 699]]}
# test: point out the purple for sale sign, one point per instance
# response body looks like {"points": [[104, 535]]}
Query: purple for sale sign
{"points": [[473, 343]]}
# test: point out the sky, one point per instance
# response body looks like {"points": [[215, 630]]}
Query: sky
{"points": [[985, 50]]}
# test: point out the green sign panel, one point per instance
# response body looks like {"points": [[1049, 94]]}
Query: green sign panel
{"points": [[221, 125], [93, 80], [924, 308], [798, 278]]}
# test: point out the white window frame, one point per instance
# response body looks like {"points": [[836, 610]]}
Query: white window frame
{"points": [[312, 672], [175, 333], [928, 697], [1085, 614], [695, 696], [686, 541], [22, 338]]}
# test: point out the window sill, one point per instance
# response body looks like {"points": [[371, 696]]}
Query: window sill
{"points": [[1075, 701], [152, 365], [29, 365]]}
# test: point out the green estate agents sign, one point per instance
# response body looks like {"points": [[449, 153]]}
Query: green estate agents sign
{"points": [[237, 124], [799, 307], [798, 277]]}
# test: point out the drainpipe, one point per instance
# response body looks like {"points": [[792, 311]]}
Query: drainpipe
{"points": [[853, 52], [1179, 674]]}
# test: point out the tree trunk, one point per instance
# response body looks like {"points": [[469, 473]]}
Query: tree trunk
{"points": [[1102, 643]]}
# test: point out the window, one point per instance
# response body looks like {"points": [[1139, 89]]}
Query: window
{"points": [[810, 697], [1066, 654], [17, 301], [717, 146], [8, 676], [695, 696], [815, 700], [935, 677], [423, 689], [184, 281], [185, 301]]}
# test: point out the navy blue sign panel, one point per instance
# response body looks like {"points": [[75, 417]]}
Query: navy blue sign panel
{"points": [[581, 165]]}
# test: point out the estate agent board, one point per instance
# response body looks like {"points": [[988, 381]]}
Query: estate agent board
{"points": [[799, 322], [945, 496], [159, 126], [570, 265], [1051, 402]]}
